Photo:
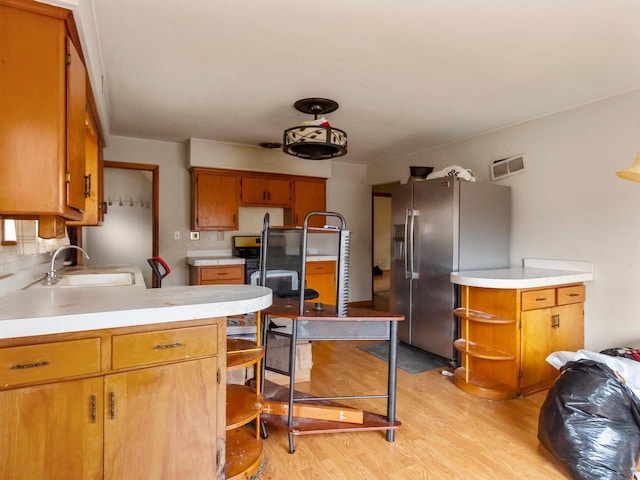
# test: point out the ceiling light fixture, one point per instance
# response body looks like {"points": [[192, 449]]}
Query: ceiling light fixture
{"points": [[316, 139], [633, 172]]}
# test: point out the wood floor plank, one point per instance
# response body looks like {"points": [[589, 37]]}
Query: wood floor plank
{"points": [[445, 434]]}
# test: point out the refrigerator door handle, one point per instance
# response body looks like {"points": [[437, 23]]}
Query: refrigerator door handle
{"points": [[410, 257]]}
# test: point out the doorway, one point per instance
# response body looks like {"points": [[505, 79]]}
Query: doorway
{"points": [[381, 245], [129, 232]]}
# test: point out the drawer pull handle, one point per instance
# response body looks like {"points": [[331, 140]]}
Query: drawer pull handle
{"points": [[541, 299], [222, 273], [93, 409], [171, 345], [574, 294], [30, 365]]}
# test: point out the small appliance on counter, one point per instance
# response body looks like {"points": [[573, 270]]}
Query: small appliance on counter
{"points": [[247, 247]]}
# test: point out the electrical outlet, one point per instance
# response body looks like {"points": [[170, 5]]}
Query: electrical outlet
{"points": [[221, 235], [176, 235], [195, 235]]}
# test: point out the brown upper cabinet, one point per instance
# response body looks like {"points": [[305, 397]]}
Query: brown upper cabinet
{"points": [[43, 96], [94, 167], [309, 196], [265, 190], [214, 199], [216, 195]]}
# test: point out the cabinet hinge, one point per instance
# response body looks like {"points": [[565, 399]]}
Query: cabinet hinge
{"points": [[218, 376], [519, 323], [217, 457], [68, 177], [520, 374], [67, 59]]}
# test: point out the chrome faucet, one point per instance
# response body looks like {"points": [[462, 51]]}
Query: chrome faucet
{"points": [[51, 277]]}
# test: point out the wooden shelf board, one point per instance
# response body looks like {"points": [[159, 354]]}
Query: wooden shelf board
{"points": [[242, 353], [482, 386], [480, 351], [244, 453], [482, 317], [243, 405], [307, 426]]}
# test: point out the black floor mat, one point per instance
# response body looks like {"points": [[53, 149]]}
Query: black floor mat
{"points": [[409, 359]]}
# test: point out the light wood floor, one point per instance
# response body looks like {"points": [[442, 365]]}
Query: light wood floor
{"points": [[446, 433]]}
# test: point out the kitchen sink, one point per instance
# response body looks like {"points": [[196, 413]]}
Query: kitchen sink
{"points": [[96, 279]]}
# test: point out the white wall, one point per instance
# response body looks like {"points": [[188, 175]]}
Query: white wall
{"points": [[347, 193], [174, 200], [125, 237], [568, 204], [382, 232]]}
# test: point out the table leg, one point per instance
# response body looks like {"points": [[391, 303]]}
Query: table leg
{"points": [[391, 392], [292, 379]]}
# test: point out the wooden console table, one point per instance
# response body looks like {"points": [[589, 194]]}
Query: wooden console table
{"points": [[317, 325]]}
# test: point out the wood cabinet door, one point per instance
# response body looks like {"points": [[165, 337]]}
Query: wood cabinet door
{"points": [[279, 192], [76, 108], [52, 431], [309, 196], [545, 331], [32, 93], [214, 201], [321, 277], [160, 422], [265, 191]]}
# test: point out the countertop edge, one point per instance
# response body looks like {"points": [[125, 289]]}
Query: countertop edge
{"points": [[198, 303]]}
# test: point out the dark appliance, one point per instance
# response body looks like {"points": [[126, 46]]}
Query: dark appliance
{"points": [[248, 247]]}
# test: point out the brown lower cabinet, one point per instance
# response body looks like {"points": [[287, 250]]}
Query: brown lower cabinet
{"points": [[216, 275], [507, 334], [68, 413]]}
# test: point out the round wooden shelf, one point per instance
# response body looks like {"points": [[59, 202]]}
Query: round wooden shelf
{"points": [[242, 353], [244, 453], [479, 351], [481, 317], [243, 405], [482, 386]]}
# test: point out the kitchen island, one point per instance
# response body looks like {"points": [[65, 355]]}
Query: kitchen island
{"points": [[116, 382], [512, 319]]}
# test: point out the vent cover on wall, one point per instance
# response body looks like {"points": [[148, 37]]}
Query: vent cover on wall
{"points": [[507, 167]]}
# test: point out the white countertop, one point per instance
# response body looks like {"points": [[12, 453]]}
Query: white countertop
{"points": [[40, 311], [208, 261], [534, 273], [214, 261]]}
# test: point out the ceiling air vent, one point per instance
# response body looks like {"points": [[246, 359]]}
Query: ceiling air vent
{"points": [[507, 167]]}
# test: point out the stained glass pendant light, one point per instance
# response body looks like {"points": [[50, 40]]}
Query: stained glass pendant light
{"points": [[316, 139]]}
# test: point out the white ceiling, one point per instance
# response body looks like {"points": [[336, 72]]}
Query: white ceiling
{"points": [[408, 74]]}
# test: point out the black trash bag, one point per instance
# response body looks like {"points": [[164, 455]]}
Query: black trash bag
{"points": [[590, 420]]}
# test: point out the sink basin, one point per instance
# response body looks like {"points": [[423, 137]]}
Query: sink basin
{"points": [[96, 279]]}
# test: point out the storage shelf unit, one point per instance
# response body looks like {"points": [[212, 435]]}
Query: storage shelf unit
{"points": [[244, 405], [507, 333]]}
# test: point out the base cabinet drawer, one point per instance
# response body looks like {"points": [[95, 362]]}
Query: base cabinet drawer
{"points": [[147, 348], [49, 361], [227, 274]]}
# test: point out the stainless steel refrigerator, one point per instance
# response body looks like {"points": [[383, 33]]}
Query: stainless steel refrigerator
{"points": [[439, 226]]}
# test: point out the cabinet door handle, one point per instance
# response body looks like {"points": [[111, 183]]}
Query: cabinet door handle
{"points": [[170, 345], [555, 321], [93, 408], [112, 410], [30, 365]]}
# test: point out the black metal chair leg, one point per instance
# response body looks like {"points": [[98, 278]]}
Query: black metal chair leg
{"points": [[291, 447]]}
